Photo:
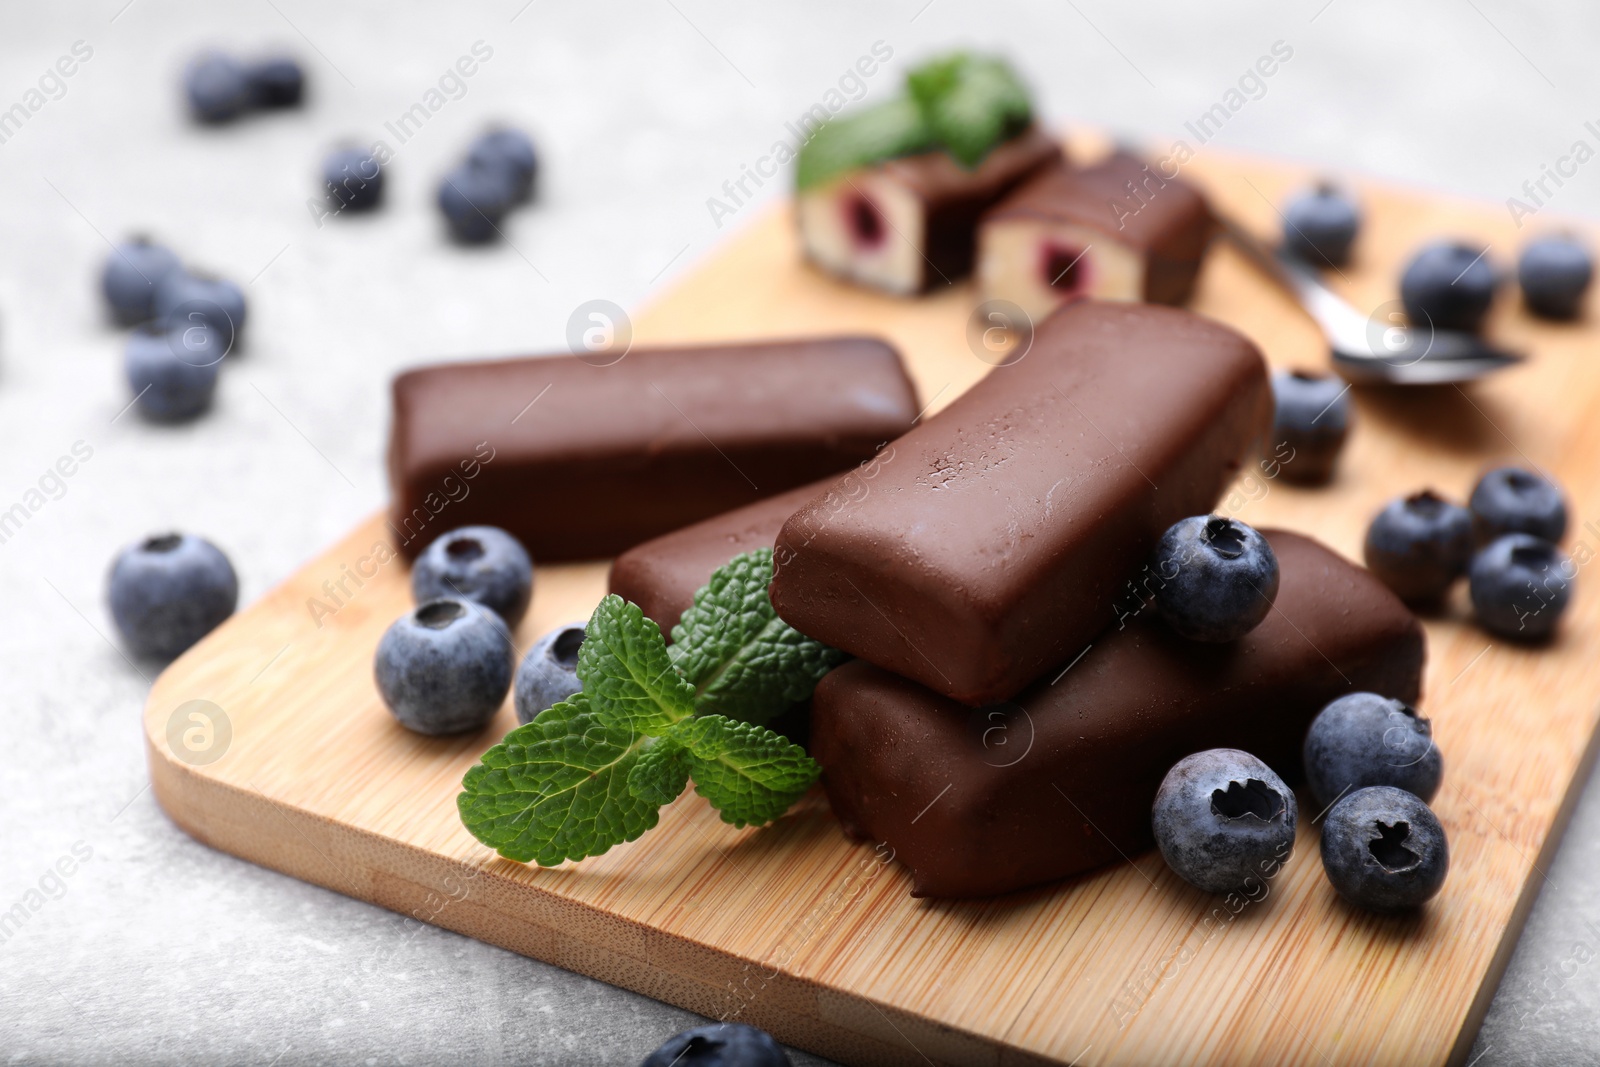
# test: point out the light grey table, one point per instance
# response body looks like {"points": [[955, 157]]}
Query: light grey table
{"points": [[158, 950]]}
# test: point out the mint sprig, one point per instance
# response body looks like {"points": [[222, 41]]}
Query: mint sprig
{"points": [[595, 770], [964, 103], [741, 660]]}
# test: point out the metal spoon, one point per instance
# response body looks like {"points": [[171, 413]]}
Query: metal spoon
{"points": [[1365, 350]]}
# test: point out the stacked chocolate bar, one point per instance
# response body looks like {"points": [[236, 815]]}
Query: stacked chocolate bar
{"points": [[1013, 708]]}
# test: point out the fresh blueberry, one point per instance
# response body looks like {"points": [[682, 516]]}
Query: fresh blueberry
{"points": [[549, 672], [719, 1045], [1448, 286], [479, 563], [1554, 273], [129, 279], [1520, 585], [186, 299], [353, 178], [1418, 545], [1513, 500], [172, 373], [218, 87], [168, 592], [445, 667], [1319, 226], [475, 199], [1218, 578], [1365, 739], [1311, 416], [511, 150], [1221, 818], [277, 81], [1383, 849]]}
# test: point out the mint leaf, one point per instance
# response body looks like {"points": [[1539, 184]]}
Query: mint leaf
{"points": [[743, 661], [970, 103], [869, 135], [556, 789], [748, 773], [626, 673], [660, 773]]}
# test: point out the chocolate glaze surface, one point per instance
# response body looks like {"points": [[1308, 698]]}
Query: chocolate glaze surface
{"points": [[1167, 219], [954, 197], [663, 574], [582, 461], [984, 801], [996, 535]]}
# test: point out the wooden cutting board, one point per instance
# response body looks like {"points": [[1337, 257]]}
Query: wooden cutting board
{"points": [[268, 740]]}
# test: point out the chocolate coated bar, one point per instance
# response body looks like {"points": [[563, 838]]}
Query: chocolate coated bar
{"points": [[1119, 230], [582, 461], [663, 574], [983, 801], [909, 224], [996, 535]]}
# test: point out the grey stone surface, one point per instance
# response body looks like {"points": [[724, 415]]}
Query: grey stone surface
{"points": [[158, 950]]}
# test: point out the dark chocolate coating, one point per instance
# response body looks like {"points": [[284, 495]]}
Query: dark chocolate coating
{"points": [[663, 574], [1167, 219], [955, 197], [997, 535], [984, 801], [612, 456]]}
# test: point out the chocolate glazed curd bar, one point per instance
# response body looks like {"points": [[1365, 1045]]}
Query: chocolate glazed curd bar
{"points": [[996, 535], [663, 574], [907, 224], [984, 801], [581, 461], [1118, 230]]}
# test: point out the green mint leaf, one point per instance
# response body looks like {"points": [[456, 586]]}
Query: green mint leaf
{"points": [[870, 135], [970, 103], [660, 773], [626, 672], [742, 660], [748, 773], [557, 788]]}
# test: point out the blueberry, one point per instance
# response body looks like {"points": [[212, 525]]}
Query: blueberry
{"points": [[445, 667], [479, 563], [719, 1045], [129, 279], [354, 179], [1219, 578], [475, 199], [1513, 500], [1221, 818], [1448, 286], [277, 81], [193, 298], [1365, 739], [172, 373], [1418, 545], [511, 150], [1319, 226], [1520, 585], [1554, 273], [1383, 849], [169, 591], [218, 87], [549, 672], [1312, 416]]}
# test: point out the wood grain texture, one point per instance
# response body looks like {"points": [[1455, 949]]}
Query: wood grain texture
{"points": [[794, 928]]}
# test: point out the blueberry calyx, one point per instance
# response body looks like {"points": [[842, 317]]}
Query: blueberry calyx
{"points": [[1251, 798], [1388, 846], [465, 549], [439, 614], [162, 542]]}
